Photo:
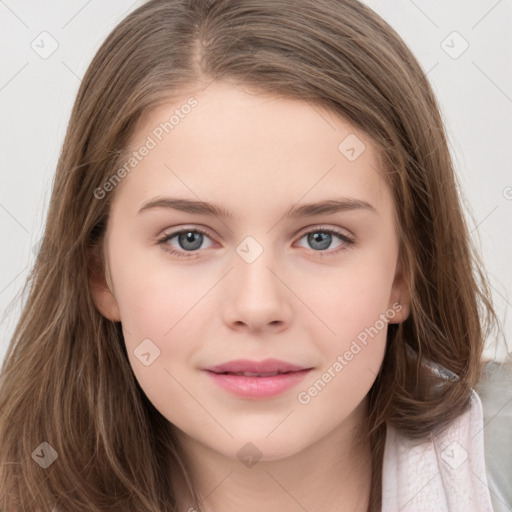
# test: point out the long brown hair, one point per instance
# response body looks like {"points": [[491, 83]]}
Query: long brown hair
{"points": [[66, 379]]}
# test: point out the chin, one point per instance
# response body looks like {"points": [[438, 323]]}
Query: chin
{"points": [[259, 448]]}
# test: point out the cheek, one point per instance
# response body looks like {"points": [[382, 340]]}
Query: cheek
{"points": [[160, 337], [352, 341], [155, 298], [353, 298], [354, 315]]}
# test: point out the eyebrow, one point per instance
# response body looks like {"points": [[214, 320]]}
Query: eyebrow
{"points": [[326, 207]]}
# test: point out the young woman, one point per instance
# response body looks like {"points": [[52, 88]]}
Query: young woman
{"points": [[256, 288]]}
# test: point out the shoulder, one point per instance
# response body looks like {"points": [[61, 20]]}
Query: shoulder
{"points": [[445, 473], [495, 392], [463, 468]]}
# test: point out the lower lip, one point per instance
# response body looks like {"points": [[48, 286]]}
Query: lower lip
{"points": [[258, 387]]}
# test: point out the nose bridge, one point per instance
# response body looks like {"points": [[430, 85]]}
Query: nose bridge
{"points": [[250, 249], [256, 295], [251, 265]]}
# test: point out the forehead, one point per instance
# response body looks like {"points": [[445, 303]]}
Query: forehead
{"points": [[224, 141]]}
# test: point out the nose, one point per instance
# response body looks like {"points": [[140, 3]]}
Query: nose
{"points": [[256, 297]]}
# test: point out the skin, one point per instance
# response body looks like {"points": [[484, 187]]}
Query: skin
{"points": [[256, 156]]}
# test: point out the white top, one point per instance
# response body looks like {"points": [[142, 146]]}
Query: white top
{"points": [[449, 472]]}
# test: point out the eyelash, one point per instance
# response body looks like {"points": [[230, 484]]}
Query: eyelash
{"points": [[188, 254]]}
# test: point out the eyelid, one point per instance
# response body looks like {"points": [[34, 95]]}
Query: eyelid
{"points": [[320, 227], [348, 242], [176, 230], [205, 231]]}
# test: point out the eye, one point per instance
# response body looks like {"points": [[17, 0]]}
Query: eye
{"points": [[322, 238], [191, 240]]}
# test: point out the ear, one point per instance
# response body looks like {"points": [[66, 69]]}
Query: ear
{"points": [[400, 298], [102, 295]]}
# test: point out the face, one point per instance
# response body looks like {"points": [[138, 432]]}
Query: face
{"points": [[310, 286]]}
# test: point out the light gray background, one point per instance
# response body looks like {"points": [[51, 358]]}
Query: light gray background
{"points": [[474, 89]]}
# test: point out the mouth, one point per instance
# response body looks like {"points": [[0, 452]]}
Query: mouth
{"points": [[253, 374], [254, 384], [266, 368]]}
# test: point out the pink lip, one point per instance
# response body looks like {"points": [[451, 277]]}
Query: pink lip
{"points": [[257, 386]]}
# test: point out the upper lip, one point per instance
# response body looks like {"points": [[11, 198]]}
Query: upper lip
{"points": [[266, 366]]}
